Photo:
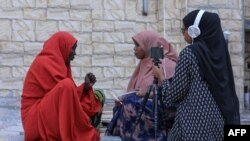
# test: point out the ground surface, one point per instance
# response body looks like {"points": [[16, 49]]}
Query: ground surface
{"points": [[11, 127]]}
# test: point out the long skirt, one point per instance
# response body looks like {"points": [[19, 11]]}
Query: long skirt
{"points": [[59, 116], [124, 117]]}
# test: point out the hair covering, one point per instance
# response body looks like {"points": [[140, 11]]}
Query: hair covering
{"points": [[42, 78], [142, 76], [211, 50], [49, 85]]}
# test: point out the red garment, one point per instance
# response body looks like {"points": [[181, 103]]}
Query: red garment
{"points": [[50, 104], [89, 103]]}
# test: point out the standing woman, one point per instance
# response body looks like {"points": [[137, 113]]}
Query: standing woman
{"points": [[125, 115], [52, 106], [203, 82]]}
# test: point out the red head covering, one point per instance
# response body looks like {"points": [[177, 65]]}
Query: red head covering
{"points": [[67, 117], [49, 66], [142, 77]]}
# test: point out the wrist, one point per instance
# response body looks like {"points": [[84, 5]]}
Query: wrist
{"points": [[86, 87], [161, 78]]}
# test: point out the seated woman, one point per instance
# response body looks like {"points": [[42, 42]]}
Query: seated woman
{"points": [[125, 114], [52, 106]]}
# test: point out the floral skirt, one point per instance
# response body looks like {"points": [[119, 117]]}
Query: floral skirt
{"points": [[123, 122]]}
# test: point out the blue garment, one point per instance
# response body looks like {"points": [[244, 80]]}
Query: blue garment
{"points": [[124, 118]]}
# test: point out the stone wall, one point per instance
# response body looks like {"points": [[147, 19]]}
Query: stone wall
{"points": [[104, 29]]}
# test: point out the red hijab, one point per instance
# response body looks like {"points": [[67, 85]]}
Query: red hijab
{"points": [[47, 70], [142, 77], [49, 66]]}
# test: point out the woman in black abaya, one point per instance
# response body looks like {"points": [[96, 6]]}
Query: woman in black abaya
{"points": [[203, 83]]}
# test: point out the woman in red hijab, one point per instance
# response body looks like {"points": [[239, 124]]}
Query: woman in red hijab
{"points": [[126, 121], [52, 106]]}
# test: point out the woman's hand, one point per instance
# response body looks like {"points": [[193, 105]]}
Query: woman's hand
{"points": [[118, 102], [158, 73], [89, 81], [140, 92]]}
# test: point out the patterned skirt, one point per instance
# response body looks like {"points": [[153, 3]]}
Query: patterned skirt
{"points": [[124, 117]]}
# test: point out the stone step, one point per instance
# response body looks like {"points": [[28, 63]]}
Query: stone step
{"points": [[109, 138], [107, 113]]}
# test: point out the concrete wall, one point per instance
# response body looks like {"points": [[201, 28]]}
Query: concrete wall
{"points": [[104, 29]]}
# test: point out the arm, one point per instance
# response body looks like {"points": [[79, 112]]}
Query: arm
{"points": [[90, 104], [177, 90], [89, 81]]}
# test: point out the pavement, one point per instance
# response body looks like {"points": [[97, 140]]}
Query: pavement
{"points": [[11, 127]]}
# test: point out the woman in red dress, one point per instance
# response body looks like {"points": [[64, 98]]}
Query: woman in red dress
{"points": [[52, 106]]}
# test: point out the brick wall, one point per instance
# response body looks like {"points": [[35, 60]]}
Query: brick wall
{"points": [[104, 29]]}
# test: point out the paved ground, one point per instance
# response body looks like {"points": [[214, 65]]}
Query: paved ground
{"points": [[11, 127], [10, 122]]}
